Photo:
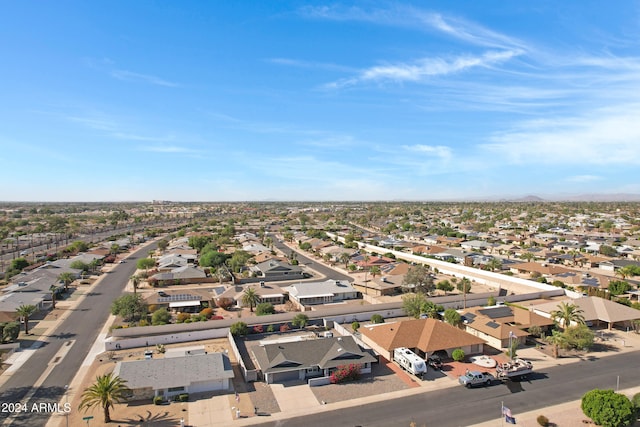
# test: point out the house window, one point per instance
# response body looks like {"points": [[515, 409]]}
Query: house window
{"points": [[174, 389]]}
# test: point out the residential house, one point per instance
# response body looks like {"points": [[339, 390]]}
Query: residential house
{"points": [[422, 336], [327, 292], [293, 361], [277, 270], [500, 325], [595, 309], [170, 376]]}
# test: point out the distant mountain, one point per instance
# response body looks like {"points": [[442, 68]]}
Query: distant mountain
{"points": [[529, 198], [617, 197]]}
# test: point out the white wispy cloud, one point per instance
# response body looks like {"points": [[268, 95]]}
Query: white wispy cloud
{"points": [[144, 78], [312, 64], [424, 68], [169, 149], [602, 137], [441, 151], [136, 137]]}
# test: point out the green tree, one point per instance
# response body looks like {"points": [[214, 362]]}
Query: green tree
{"points": [[445, 285], [160, 317], [300, 320], [26, 311], [135, 281], [108, 390], [491, 300], [377, 318], [458, 355], [213, 259], [265, 308], [19, 264], [250, 298], [355, 326], [345, 258], [579, 337], [494, 264], [607, 250], [567, 313], [79, 265], [412, 304], [452, 317], [464, 285], [239, 329], [163, 244], [618, 287], [145, 264], [375, 271], [130, 307], [66, 278], [418, 278], [432, 310], [607, 408], [199, 242], [10, 332]]}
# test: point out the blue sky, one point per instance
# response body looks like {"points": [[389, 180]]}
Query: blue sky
{"points": [[287, 100]]}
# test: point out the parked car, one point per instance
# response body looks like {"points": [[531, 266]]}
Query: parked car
{"points": [[435, 362], [476, 378]]}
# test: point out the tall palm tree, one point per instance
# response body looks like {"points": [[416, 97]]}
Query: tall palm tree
{"points": [[494, 264], [567, 313], [375, 271], [251, 298], [135, 281], [26, 311], [345, 257], [67, 278], [105, 392], [54, 290]]}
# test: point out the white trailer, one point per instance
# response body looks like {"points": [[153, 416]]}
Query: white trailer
{"points": [[409, 361]]}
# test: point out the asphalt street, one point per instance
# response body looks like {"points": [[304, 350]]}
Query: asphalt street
{"points": [[329, 272], [79, 331], [459, 406]]}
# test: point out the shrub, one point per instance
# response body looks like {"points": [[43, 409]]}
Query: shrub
{"points": [[377, 318], [535, 330], [345, 373], [270, 328], [284, 328], [183, 317], [258, 329], [458, 355], [183, 397], [300, 320], [491, 300], [207, 312], [224, 303], [239, 329], [216, 318], [542, 420], [355, 326], [265, 308], [157, 400], [608, 408], [160, 317]]}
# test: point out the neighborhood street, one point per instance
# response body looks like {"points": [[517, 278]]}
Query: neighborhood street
{"points": [[459, 406], [78, 331]]}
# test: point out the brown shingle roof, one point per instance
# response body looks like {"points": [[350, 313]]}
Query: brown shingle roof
{"points": [[428, 335]]}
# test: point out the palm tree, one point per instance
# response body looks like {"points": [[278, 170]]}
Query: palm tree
{"points": [[251, 298], [135, 281], [567, 313], [67, 278], [105, 392], [54, 290], [345, 257], [494, 264], [528, 256], [375, 271], [26, 311]]}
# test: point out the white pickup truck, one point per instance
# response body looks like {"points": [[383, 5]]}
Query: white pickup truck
{"points": [[476, 378]]}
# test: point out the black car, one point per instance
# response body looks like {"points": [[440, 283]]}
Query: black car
{"points": [[435, 362]]}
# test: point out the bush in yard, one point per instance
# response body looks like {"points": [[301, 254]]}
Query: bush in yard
{"points": [[284, 328], [224, 303], [355, 326], [271, 328], [608, 408], [300, 320], [239, 329], [376, 318], [458, 355], [207, 312], [160, 317], [183, 397], [542, 420], [345, 373], [265, 308], [182, 317], [216, 318], [258, 329], [157, 400]]}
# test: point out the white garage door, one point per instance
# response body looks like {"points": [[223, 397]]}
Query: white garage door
{"points": [[206, 386]]}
